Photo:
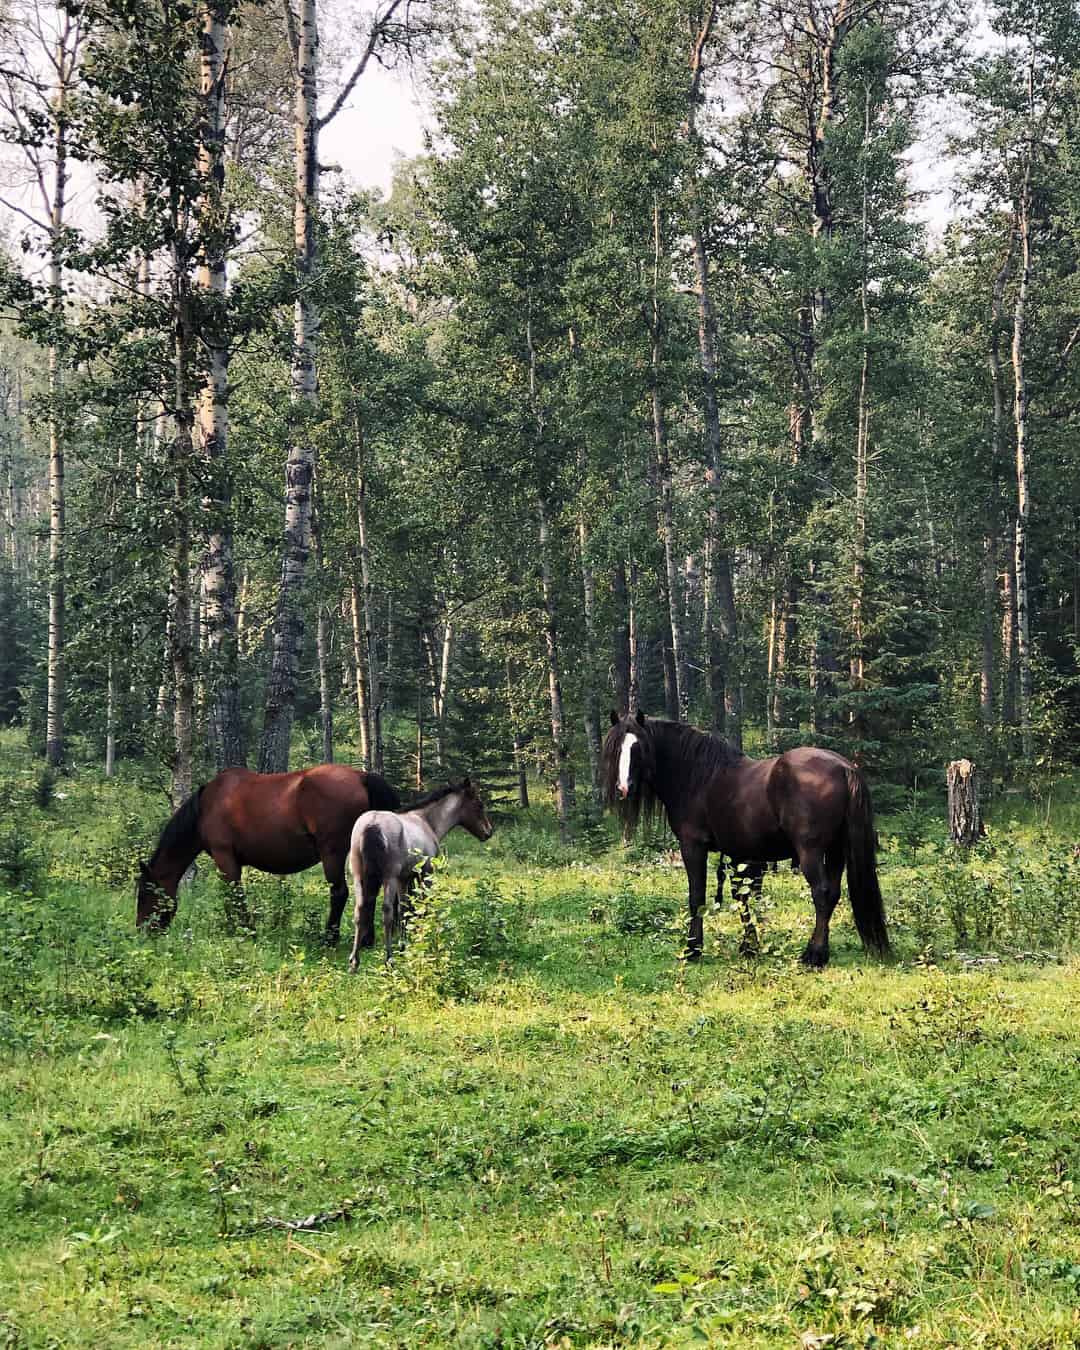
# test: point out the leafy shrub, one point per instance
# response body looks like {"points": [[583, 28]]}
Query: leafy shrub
{"points": [[20, 860], [45, 788], [632, 912], [453, 930], [115, 861]]}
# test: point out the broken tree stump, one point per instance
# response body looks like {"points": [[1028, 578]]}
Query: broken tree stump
{"points": [[965, 818]]}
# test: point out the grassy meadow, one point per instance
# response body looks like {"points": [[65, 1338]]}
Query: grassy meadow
{"points": [[541, 1128]]}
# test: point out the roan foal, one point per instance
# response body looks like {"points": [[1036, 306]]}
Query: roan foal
{"points": [[392, 852]]}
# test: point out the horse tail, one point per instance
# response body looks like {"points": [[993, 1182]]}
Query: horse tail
{"points": [[863, 889], [381, 796], [373, 856]]}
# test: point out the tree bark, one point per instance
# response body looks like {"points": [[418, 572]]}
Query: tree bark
{"points": [[564, 786], [289, 623], [857, 662], [322, 635], [55, 744], [677, 708], [371, 651], [1023, 495], [987, 693], [722, 630], [620, 640], [590, 703], [965, 818], [219, 577]]}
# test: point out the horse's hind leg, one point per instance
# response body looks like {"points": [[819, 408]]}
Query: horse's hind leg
{"points": [[823, 878], [334, 871]]}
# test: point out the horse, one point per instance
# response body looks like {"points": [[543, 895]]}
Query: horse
{"points": [[810, 805], [275, 822], [393, 853]]}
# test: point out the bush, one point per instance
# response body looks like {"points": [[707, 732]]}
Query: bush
{"points": [[635, 913], [20, 860], [453, 930]]}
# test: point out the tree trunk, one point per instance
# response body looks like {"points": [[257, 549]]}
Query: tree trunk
{"points": [[371, 651], [987, 692], [1008, 640], [443, 689], [362, 701], [564, 786], [180, 632], [590, 703], [677, 708], [965, 818], [722, 630], [219, 578], [322, 635], [857, 662], [55, 745], [620, 640], [518, 747], [1023, 499], [288, 621], [633, 692]]}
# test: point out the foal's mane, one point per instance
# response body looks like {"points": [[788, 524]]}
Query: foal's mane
{"points": [[684, 762], [435, 795]]}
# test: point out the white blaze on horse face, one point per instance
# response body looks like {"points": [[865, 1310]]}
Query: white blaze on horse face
{"points": [[629, 741]]}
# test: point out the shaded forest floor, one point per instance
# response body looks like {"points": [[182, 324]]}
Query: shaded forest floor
{"points": [[540, 1128]]}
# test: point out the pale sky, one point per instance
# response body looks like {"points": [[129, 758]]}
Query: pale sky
{"points": [[380, 123]]}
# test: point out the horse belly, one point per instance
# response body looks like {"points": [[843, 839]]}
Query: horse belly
{"points": [[280, 852]]}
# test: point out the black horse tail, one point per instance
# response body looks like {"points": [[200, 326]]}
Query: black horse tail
{"points": [[372, 862], [381, 796], [862, 879]]}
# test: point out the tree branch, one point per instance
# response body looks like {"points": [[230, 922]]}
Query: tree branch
{"points": [[378, 31]]}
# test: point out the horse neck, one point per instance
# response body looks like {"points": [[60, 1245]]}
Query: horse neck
{"points": [[167, 871], [441, 816], [669, 780]]}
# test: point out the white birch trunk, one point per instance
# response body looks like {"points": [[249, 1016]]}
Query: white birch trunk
{"points": [[289, 622], [218, 579]]}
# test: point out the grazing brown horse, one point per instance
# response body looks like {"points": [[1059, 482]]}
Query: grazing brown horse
{"points": [[808, 804], [275, 822]]}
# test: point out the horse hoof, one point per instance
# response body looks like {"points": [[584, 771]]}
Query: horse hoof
{"points": [[331, 938], [750, 948], [692, 954], [815, 958]]}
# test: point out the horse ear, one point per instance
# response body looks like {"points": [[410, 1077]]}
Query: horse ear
{"points": [[640, 717], [615, 719]]}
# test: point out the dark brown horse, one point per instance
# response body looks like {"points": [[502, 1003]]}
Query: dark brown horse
{"points": [[275, 822], [810, 805]]}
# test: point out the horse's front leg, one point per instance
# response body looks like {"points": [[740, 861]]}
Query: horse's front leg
{"points": [[695, 858], [237, 913]]}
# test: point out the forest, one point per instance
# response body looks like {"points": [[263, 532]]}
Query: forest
{"points": [[653, 382], [717, 361]]}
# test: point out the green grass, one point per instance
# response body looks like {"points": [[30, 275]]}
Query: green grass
{"points": [[543, 1130]]}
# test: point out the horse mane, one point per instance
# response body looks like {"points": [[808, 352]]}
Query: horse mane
{"points": [[435, 795], [180, 827], [684, 763], [381, 796]]}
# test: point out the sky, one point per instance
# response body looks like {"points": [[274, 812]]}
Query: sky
{"points": [[381, 122]]}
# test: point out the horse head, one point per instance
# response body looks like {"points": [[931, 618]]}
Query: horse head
{"points": [[153, 903], [629, 764], [474, 816]]}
